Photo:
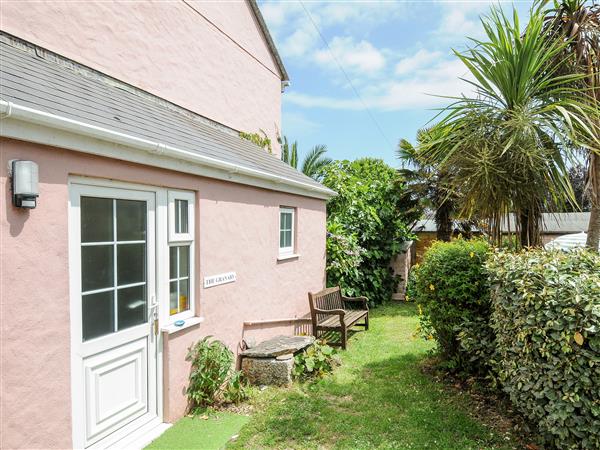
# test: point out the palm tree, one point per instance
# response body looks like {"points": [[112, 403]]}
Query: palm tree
{"points": [[577, 24], [313, 162], [501, 146], [426, 183], [289, 152]]}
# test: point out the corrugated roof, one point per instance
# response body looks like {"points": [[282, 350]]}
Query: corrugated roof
{"points": [[576, 222], [553, 223], [568, 242], [37, 79]]}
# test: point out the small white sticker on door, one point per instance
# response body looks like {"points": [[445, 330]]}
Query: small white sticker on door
{"points": [[222, 278]]}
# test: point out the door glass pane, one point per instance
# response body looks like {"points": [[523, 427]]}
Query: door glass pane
{"points": [[173, 262], [131, 263], [173, 304], [184, 295], [97, 314], [131, 220], [184, 261], [132, 306], [96, 267], [96, 219]]}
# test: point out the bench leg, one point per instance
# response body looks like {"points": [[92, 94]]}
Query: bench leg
{"points": [[344, 333], [367, 322]]}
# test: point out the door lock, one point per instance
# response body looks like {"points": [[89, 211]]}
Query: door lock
{"points": [[154, 315]]}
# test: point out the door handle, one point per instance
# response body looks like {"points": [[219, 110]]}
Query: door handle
{"points": [[154, 314]]}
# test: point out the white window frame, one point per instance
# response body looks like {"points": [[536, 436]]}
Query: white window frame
{"points": [[181, 240], [286, 251], [190, 198]]}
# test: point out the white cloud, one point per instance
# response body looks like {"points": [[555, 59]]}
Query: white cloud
{"points": [[424, 88], [420, 59], [302, 41], [296, 35], [361, 56], [367, 13]]}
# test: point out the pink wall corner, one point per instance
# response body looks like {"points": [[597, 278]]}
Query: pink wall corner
{"points": [[209, 57], [237, 230], [34, 315]]}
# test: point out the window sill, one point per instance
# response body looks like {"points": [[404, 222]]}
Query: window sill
{"points": [[288, 256], [172, 328]]}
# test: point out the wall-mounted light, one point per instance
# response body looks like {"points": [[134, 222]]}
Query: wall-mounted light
{"points": [[24, 183]]}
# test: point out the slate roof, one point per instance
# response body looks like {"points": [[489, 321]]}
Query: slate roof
{"points": [[38, 79]]}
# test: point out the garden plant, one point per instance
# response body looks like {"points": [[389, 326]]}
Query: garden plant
{"points": [[367, 224], [212, 377]]}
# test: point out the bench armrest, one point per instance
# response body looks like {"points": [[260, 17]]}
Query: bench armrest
{"points": [[364, 301]]}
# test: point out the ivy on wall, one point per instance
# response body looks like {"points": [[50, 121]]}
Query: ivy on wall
{"points": [[259, 139]]}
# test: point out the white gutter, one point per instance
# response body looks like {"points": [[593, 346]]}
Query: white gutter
{"points": [[23, 113]]}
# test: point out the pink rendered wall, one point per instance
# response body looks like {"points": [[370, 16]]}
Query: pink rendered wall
{"points": [[237, 231], [209, 57]]}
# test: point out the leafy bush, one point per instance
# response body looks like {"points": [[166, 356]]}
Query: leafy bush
{"points": [[212, 378], [343, 257], [546, 316], [316, 361], [367, 213], [450, 286]]}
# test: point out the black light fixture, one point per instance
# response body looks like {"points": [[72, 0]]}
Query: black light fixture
{"points": [[24, 183]]}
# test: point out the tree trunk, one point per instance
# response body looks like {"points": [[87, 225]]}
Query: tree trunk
{"points": [[593, 237], [443, 222], [530, 233]]}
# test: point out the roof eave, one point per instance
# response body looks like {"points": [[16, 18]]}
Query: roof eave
{"points": [[263, 26], [146, 151]]}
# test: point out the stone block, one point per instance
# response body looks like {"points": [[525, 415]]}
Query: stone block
{"points": [[268, 371]]}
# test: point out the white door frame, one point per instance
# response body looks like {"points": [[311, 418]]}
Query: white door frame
{"points": [[159, 255]]}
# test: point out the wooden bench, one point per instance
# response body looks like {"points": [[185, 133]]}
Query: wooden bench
{"points": [[331, 311]]}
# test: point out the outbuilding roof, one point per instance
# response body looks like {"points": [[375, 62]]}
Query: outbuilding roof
{"points": [[46, 89], [553, 223]]}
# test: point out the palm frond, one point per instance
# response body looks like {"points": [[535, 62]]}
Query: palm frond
{"points": [[314, 161]]}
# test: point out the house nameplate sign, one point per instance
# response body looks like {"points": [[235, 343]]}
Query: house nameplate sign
{"points": [[222, 278]]}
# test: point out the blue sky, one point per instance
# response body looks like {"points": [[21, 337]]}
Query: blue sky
{"points": [[397, 56]]}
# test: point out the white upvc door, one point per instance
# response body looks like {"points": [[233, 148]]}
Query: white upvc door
{"points": [[112, 234]]}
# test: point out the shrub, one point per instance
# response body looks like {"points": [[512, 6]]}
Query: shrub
{"points": [[343, 258], [546, 316], [212, 378], [368, 212], [316, 361], [450, 286]]}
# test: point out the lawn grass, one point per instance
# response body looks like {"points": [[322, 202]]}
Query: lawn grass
{"points": [[378, 398], [209, 433]]}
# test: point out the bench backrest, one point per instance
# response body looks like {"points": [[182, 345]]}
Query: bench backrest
{"points": [[330, 298]]}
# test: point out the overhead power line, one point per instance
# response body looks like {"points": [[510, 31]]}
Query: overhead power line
{"points": [[365, 107]]}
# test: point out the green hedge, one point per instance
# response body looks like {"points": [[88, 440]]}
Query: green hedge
{"points": [[546, 316], [450, 286]]}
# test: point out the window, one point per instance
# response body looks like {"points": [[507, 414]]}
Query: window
{"points": [[113, 265], [286, 231], [181, 255], [181, 207], [179, 279]]}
